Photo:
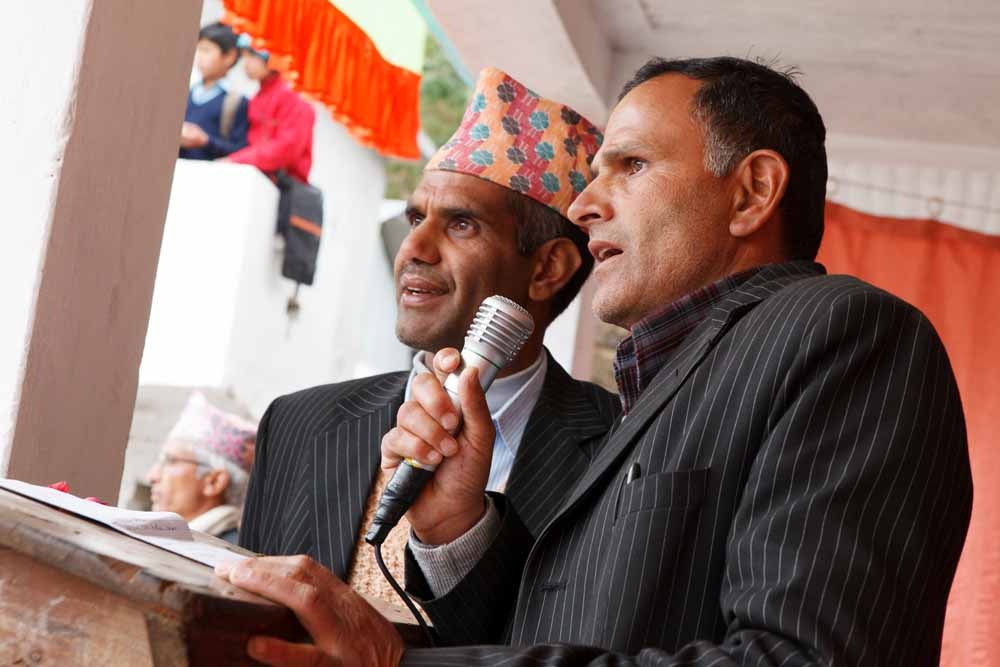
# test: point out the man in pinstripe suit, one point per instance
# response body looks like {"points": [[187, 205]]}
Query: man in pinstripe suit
{"points": [[790, 484], [471, 236]]}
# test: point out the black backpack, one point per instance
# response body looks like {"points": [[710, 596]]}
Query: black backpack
{"points": [[300, 221]]}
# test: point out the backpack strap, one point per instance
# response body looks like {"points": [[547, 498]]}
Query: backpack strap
{"points": [[230, 104]]}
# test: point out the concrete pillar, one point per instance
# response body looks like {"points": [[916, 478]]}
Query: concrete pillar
{"points": [[89, 129]]}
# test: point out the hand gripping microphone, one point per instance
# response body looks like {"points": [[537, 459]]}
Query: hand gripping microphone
{"points": [[495, 336]]}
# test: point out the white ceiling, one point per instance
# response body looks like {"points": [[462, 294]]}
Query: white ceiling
{"points": [[915, 71], [896, 69]]}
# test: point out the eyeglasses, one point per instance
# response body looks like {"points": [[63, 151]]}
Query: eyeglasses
{"points": [[165, 459]]}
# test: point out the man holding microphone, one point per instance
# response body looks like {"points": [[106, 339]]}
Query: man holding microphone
{"points": [[790, 484]]}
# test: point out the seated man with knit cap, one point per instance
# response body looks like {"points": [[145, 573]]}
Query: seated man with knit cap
{"points": [[203, 468], [488, 217]]}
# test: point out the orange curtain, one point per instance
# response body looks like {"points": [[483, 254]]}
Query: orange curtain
{"points": [[326, 56], [953, 276]]}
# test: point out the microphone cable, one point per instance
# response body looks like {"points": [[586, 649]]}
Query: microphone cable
{"points": [[401, 592]]}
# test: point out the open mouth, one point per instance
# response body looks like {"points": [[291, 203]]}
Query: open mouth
{"points": [[414, 291], [417, 291]]}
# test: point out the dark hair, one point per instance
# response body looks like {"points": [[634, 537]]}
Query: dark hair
{"points": [[746, 106], [219, 33], [538, 223]]}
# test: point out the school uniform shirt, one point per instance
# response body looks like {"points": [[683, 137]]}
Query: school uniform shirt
{"points": [[204, 109]]}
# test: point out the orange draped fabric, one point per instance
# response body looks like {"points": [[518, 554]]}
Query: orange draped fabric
{"points": [[326, 56], [953, 276]]}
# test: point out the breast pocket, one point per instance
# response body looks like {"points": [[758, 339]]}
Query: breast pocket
{"points": [[677, 489], [653, 538]]}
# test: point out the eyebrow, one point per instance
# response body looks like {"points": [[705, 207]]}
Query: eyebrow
{"points": [[446, 211], [615, 153]]}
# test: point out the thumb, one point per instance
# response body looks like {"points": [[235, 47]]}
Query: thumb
{"points": [[478, 424], [445, 361]]}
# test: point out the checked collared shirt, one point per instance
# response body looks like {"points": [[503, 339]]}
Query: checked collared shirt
{"points": [[643, 353]]}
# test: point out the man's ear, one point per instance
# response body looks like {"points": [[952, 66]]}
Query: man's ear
{"points": [[215, 483], [556, 261], [761, 180]]}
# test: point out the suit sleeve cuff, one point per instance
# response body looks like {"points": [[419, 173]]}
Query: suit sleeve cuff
{"points": [[445, 565]]}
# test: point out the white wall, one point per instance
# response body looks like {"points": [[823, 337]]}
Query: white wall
{"points": [[561, 339], [216, 240]]}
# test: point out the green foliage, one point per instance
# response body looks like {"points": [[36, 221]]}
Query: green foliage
{"points": [[443, 96]]}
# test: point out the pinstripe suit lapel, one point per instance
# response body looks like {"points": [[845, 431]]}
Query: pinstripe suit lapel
{"points": [[552, 455], [345, 461], [663, 387], [676, 372]]}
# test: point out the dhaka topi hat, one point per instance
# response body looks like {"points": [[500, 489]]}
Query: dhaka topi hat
{"points": [[204, 426], [511, 136]]}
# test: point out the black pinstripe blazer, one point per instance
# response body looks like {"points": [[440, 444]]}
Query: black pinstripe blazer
{"points": [[318, 453], [804, 498]]}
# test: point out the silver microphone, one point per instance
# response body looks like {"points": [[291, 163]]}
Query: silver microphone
{"points": [[497, 333]]}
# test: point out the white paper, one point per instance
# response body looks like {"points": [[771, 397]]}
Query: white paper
{"points": [[163, 529]]}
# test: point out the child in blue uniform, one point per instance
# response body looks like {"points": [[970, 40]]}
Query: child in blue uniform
{"points": [[215, 123]]}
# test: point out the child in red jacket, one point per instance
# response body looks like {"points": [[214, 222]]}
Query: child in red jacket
{"points": [[281, 122]]}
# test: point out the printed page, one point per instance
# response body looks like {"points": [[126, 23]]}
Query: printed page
{"points": [[162, 529]]}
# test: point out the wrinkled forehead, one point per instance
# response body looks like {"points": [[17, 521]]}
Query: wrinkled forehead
{"points": [[453, 190], [654, 113]]}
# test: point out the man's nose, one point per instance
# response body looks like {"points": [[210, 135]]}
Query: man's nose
{"points": [[421, 245], [153, 475], [590, 207]]}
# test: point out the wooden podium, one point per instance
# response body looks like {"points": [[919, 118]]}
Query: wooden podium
{"points": [[75, 592]]}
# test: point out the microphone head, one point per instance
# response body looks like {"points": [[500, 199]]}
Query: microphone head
{"points": [[499, 330]]}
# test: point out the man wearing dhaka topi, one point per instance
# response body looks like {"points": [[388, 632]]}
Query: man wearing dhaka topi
{"points": [[488, 217]]}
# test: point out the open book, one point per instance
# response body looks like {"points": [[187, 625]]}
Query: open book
{"points": [[163, 529]]}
